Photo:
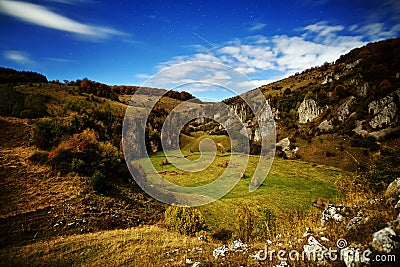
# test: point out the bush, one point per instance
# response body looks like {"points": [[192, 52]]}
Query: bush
{"points": [[222, 234], [39, 157], [383, 170], [244, 223], [47, 133], [366, 142], [78, 165], [99, 182], [265, 226], [184, 220]]}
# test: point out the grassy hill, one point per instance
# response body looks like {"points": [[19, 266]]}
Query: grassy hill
{"points": [[67, 198]]}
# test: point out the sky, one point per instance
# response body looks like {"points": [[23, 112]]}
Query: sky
{"points": [[133, 42]]}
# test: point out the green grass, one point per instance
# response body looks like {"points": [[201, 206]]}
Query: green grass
{"points": [[290, 185]]}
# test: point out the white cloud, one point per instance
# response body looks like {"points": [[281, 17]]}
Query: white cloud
{"points": [[143, 76], [19, 57], [44, 17], [266, 59], [257, 27], [324, 33], [60, 60], [377, 30]]}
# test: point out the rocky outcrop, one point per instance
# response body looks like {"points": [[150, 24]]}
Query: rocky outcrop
{"points": [[344, 109], [332, 213], [308, 111], [236, 246], [284, 146], [392, 193], [383, 241], [356, 222], [362, 90], [325, 125], [383, 111]]}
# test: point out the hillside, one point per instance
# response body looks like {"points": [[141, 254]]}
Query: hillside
{"points": [[340, 113], [64, 180]]}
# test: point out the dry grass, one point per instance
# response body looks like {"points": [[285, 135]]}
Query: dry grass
{"points": [[144, 246]]}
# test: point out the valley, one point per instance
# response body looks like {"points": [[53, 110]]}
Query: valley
{"points": [[68, 198]]}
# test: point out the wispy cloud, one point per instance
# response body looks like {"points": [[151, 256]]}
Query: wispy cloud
{"points": [[19, 57], [256, 55], [41, 16], [376, 31], [60, 60], [257, 27], [143, 76], [266, 59]]}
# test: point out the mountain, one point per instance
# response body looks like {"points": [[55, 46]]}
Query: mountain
{"points": [[64, 174], [340, 113]]}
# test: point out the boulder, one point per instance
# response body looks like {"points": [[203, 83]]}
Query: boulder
{"points": [[344, 109], [308, 111], [383, 110], [314, 250], [284, 144], [238, 245], [392, 192], [382, 240], [325, 125], [220, 251], [355, 222], [331, 213]]}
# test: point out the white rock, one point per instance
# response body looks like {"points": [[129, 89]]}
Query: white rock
{"points": [[338, 217], [344, 109], [220, 251], [238, 245], [324, 239], [384, 111], [354, 222], [282, 264], [308, 232], [382, 240], [196, 264], [308, 111], [202, 238], [325, 125]]}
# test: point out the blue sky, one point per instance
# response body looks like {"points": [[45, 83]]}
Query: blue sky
{"points": [[126, 42]]}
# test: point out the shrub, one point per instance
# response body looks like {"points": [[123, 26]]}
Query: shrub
{"points": [[78, 165], [383, 170], [39, 157], [244, 223], [99, 182], [222, 234], [329, 154], [366, 142], [47, 133], [184, 220], [265, 226], [110, 158]]}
